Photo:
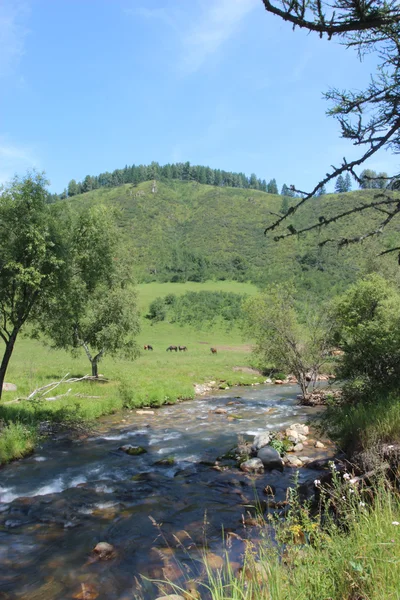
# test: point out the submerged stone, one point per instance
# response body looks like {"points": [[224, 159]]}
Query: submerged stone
{"points": [[168, 461], [132, 450]]}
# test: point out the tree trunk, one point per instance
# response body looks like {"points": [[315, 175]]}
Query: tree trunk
{"points": [[304, 384], [6, 357], [95, 372]]}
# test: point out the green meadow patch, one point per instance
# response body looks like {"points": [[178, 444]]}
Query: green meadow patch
{"points": [[155, 378]]}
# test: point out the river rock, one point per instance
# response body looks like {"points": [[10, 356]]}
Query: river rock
{"points": [[220, 411], [9, 387], [104, 551], [145, 412], [298, 447], [261, 439], [294, 436], [270, 458], [253, 465], [319, 445], [278, 381], [132, 450], [293, 461], [301, 428]]}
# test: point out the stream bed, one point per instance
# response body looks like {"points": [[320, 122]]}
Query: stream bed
{"points": [[56, 505]]}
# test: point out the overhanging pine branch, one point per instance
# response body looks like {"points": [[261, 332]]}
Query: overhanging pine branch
{"points": [[329, 176], [332, 27]]}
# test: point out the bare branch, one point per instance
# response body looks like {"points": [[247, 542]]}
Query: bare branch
{"points": [[329, 176]]}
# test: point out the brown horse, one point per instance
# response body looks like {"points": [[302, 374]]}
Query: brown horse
{"points": [[213, 350], [182, 348], [171, 348], [148, 347]]}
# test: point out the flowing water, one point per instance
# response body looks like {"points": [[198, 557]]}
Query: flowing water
{"points": [[58, 504]]}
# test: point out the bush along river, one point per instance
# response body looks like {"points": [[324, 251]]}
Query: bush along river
{"points": [[85, 519]]}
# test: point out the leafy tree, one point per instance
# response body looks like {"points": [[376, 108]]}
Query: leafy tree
{"points": [[382, 180], [367, 328], [253, 181], [97, 309], [282, 341], [31, 258], [157, 310], [73, 188], [87, 184], [367, 179], [369, 118]]}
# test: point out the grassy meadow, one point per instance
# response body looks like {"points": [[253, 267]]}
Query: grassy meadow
{"points": [[153, 379]]}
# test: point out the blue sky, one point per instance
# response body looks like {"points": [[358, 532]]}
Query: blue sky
{"points": [[91, 85]]}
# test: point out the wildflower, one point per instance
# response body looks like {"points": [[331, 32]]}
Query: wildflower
{"points": [[351, 491], [317, 482], [346, 476], [395, 523], [362, 504], [343, 497], [332, 465]]}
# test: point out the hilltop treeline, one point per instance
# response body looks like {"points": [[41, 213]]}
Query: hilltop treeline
{"points": [[136, 174]]}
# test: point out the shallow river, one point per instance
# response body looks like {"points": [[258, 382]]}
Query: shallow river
{"points": [[58, 504]]}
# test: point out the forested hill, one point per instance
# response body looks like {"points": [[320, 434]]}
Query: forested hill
{"points": [[180, 230]]}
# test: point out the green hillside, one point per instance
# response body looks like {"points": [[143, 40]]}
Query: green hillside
{"points": [[186, 231]]}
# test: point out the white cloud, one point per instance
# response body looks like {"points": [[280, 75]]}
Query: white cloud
{"points": [[12, 34], [15, 159], [218, 21]]}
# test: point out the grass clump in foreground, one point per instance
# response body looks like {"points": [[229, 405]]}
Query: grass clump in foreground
{"points": [[16, 441], [349, 551], [363, 428]]}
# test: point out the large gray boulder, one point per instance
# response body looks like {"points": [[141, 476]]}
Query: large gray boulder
{"points": [[261, 439], [270, 458]]}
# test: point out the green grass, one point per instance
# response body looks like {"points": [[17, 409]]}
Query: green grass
{"points": [[355, 558], [366, 425], [153, 379], [226, 226], [16, 441]]}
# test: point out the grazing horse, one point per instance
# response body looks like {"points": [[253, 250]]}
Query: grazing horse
{"points": [[148, 347], [213, 350], [170, 348], [182, 348]]}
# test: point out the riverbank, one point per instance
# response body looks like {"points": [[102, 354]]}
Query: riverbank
{"points": [[70, 495], [156, 378]]}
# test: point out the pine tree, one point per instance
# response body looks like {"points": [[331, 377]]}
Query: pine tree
{"points": [[340, 185], [347, 182], [272, 188]]}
